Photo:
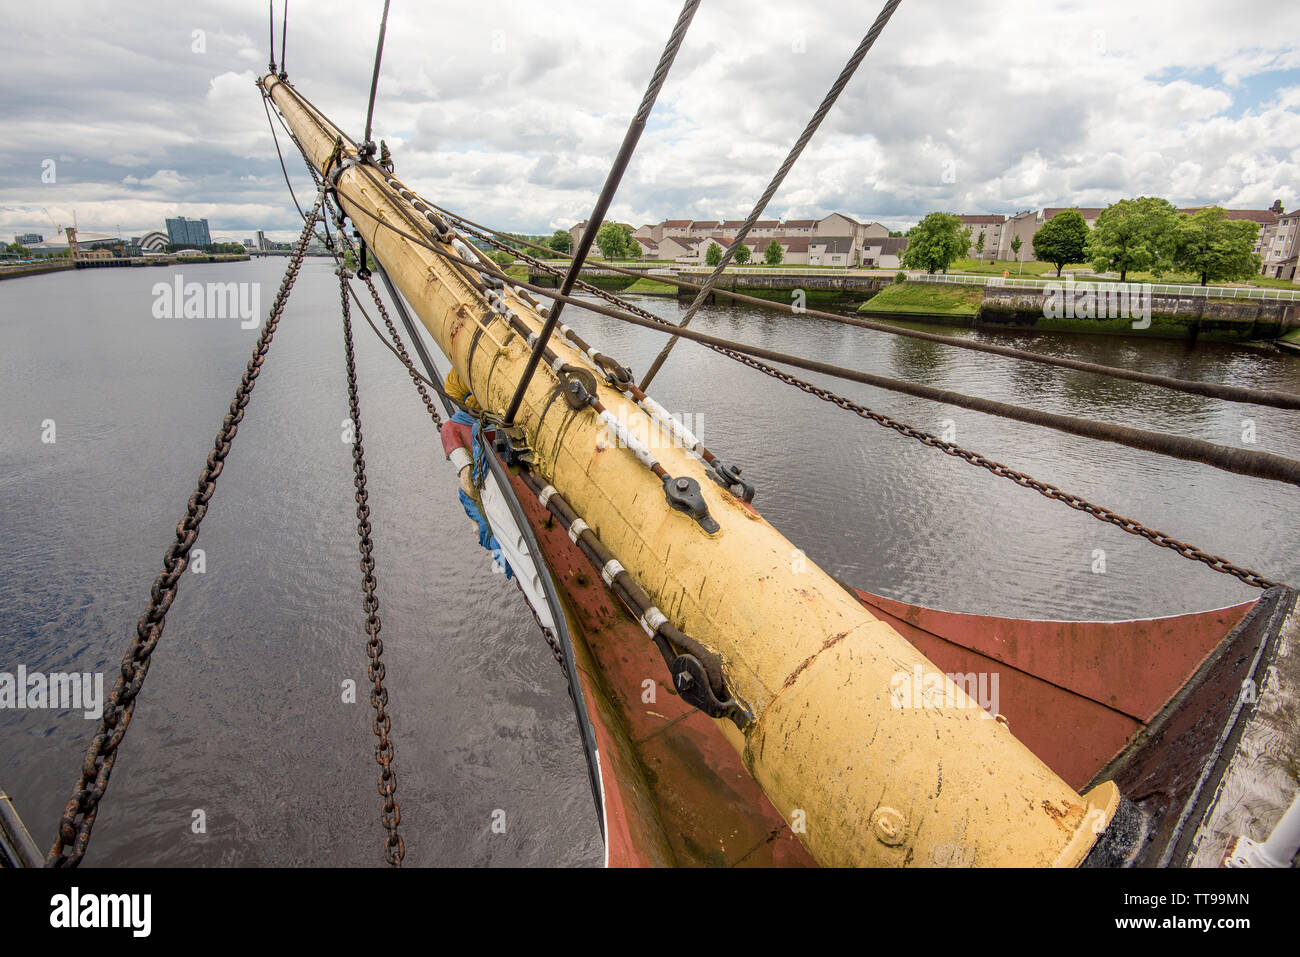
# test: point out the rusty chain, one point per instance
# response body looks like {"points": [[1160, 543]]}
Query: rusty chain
{"points": [[400, 349], [1021, 479], [79, 816], [391, 816], [1076, 502]]}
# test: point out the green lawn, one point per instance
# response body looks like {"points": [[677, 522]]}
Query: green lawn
{"points": [[996, 267], [650, 287], [926, 298]]}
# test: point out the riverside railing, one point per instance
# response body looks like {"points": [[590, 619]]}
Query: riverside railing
{"points": [[1158, 289]]}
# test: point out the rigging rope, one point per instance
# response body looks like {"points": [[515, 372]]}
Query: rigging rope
{"points": [[612, 180], [271, 13], [284, 36], [79, 816], [829, 101], [367, 146], [1158, 538]]}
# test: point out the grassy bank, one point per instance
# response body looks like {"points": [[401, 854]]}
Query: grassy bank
{"points": [[651, 287], [926, 298]]}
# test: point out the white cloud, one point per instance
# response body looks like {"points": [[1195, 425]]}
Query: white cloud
{"points": [[512, 111]]}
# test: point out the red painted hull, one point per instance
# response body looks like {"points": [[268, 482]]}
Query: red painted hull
{"points": [[1083, 696]]}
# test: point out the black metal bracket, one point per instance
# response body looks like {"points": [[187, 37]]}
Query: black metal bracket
{"points": [[511, 444], [683, 495], [363, 258], [692, 684], [728, 476], [578, 385]]}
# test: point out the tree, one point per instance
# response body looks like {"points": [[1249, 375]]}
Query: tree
{"points": [[773, 255], [613, 240], [561, 241], [634, 249], [979, 245], [501, 257], [1016, 243], [1134, 235], [1063, 239], [1215, 247], [936, 243], [713, 255], [22, 251], [743, 254]]}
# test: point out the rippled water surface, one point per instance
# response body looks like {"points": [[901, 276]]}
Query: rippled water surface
{"points": [[242, 716]]}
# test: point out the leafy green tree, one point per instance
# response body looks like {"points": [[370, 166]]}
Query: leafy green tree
{"points": [[1063, 239], [613, 240], [979, 246], [1016, 243], [19, 249], [1134, 235], [936, 243], [633, 249], [1216, 248], [503, 258], [773, 255], [713, 255], [743, 254], [561, 241]]}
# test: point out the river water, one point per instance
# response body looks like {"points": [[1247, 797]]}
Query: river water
{"points": [[243, 717]]}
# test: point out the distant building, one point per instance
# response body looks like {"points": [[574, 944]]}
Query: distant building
{"points": [[29, 239], [831, 251], [153, 242], [192, 232], [261, 241], [991, 227], [886, 253]]}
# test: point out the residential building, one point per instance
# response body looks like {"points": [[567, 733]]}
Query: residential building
{"points": [[1023, 225], [991, 227], [884, 253], [675, 229], [1280, 258], [794, 250], [832, 251]]}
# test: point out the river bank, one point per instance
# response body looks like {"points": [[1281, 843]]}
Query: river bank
{"points": [[18, 270], [1154, 315]]}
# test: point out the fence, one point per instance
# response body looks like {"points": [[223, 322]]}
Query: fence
{"points": [[1157, 289]]}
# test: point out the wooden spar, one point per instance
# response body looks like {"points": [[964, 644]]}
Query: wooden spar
{"points": [[846, 744]]}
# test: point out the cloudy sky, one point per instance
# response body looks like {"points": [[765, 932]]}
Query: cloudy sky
{"points": [[510, 111]]}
